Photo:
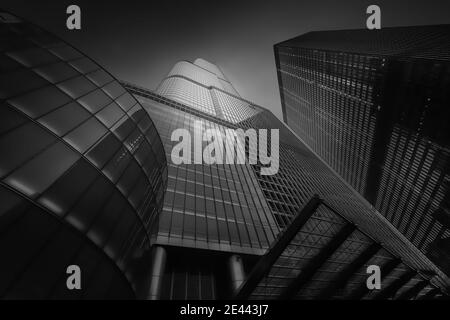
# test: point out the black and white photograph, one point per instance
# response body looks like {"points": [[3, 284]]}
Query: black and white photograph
{"points": [[232, 157]]}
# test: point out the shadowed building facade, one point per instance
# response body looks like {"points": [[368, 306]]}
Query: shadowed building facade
{"points": [[226, 230], [82, 172], [84, 181], [375, 106]]}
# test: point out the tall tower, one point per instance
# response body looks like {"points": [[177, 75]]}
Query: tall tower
{"points": [[375, 106], [227, 230]]}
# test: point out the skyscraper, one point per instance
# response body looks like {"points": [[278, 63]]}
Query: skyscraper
{"points": [[375, 106], [82, 172], [227, 230]]}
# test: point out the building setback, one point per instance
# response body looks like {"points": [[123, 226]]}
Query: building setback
{"points": [[374, 105]]}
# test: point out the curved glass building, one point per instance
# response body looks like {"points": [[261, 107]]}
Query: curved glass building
{"points": [[82, 171]]}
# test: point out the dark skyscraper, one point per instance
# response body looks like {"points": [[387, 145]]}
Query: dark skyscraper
{"points": [[82, 172], [223, 225], [374, 105]]}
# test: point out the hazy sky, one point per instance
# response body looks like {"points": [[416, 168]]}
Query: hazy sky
{"points": [[139, 41]]}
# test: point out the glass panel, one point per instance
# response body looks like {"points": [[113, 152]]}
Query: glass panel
{"points": [[104, 150], [189, 226], [143, 152], [136, 113], [7, 64], [144, 124], [84, 65], [243, 233], [61, 196], [56, 72], [213, 234], [94, 101], [40, 101], [39, 173], [90, 204], [10, 41], [116, 165], [19, 81], [64, 119], [123, 128], [76, 87], [12, 208], [164, 222], [99, 77], [126, 101], [223, 230], [129, 178], [114, 89], [9, 118], [20, 144], [85, 135], [133, 140], [44, 39], [233, 233], [32, 57], [177, 224], [121, 232], [110, 115], [200, 227], [97, 287], [65, 52], [104, 224], [139, 192]]}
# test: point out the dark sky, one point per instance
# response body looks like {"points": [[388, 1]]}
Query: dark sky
{"points": [[139, 41]]}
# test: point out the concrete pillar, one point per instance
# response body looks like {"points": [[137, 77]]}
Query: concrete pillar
{"points": [[236, 271], [156, 276]]}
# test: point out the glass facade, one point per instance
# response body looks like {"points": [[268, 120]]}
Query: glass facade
{"points": [[374, 106], [86, 178], [327, 258], [82, 171], [214, 211], [218, 207]]}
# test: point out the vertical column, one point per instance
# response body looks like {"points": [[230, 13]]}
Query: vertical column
{"points": [[236, 271], [158, 265]]}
